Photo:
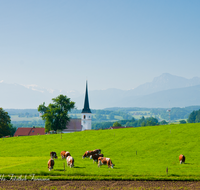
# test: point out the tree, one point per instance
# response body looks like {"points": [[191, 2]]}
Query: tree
{"points": [[197, 120], [117, 124], [4, 123], [182, 121], [151, 121], [56, 115], [163, 122], [194, 117]]}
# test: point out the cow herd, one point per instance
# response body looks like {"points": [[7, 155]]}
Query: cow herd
{"points": [[94, 154]]}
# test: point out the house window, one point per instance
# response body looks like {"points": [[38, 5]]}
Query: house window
{"points": [[84, 117]]}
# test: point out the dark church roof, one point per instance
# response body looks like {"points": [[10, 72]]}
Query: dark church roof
{"points": [[86, 108]]}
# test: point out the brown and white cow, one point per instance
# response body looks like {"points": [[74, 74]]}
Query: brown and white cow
{"points": [[70, 161], [67, 154], [182, 159], [105, 161], [64, 154], [88, 154], [50, 164], [95, 157], [53, 155]]}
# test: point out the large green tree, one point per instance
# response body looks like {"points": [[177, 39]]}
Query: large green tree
{"points": [[56, 115], [117, 124], [194, 117], [4, 123]]}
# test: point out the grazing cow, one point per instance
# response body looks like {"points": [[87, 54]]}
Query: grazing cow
{"points": [[70, 161], [53, 155], [95, 157], [105, 161], [98, 151], [64, 154], [67, 154], [50, 164], [88, 153], [182, 159]]}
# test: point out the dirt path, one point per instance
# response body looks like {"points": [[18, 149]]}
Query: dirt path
{"points": [[98, 185]]}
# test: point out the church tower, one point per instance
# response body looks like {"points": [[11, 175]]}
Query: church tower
{"points": [[86, 120]]}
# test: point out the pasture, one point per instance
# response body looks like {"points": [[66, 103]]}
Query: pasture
{"points": [[142, 153]]}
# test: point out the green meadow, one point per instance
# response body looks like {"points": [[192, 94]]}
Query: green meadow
{"points": [[142, 153]]}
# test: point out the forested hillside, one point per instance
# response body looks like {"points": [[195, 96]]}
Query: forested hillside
{"points": [[105, 117]]}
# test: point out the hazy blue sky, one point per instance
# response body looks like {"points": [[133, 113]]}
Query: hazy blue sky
{"points": [[112, 43]]}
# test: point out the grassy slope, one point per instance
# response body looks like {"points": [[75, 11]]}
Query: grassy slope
{"points": [[157, 147]]}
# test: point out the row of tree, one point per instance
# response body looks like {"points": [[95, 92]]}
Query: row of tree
{"points": [[149, 121], [56, 117]]}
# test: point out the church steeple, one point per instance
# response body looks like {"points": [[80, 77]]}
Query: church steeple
{"points": [[86, 108]]}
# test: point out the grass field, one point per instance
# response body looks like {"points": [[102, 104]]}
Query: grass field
{"points": [[141, 153]]}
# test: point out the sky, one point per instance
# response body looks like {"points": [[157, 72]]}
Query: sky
{"points": [[111, 43]]}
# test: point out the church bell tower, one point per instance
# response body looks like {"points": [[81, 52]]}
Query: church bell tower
{"points": [[86, 120]]}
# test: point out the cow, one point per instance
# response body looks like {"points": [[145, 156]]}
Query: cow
{"points": [[70, 161], [88, 154], [50, 164], [95, 157], [98, 151], [105, 161], [67, 154], [64, 154], [182, 159], [53, 155]]}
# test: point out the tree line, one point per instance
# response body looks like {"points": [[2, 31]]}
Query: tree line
{"points": [[55, 116], [149, 121]]}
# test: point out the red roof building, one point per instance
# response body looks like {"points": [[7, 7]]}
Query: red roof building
{"points": [[29, 131]]}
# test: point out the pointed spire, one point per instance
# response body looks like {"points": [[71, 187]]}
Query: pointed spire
{"points": [[86, 108]]}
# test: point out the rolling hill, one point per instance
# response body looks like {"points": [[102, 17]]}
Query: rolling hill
{"points": [[138, 153]]}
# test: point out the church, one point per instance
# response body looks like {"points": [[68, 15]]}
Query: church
{"points": [[85, 123]]}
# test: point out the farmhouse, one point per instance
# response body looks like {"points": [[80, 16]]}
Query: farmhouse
{"points": [[29, 131]]}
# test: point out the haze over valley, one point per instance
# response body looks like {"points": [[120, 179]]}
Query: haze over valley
{"points": [[164, 91]]}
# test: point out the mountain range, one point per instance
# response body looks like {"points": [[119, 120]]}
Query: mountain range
{"points": [[165, 91]]}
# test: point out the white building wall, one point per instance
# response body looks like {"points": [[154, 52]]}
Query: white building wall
{"points": [[86, 121]]}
